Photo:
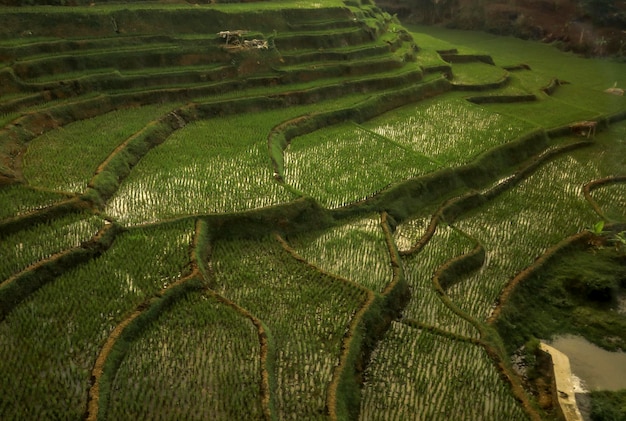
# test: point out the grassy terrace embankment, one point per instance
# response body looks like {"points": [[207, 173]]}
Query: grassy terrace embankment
{"points": [[319, 229]]}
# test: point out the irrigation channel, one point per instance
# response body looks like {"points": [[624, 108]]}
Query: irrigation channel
{"points": [[342, 225]]}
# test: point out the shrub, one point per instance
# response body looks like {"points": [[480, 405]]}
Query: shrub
{"points": [[593, 278], [608, 406]]}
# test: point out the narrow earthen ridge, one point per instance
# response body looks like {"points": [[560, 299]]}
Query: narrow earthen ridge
{"points": [[151, 135], [12, 225], [19, 286], [105, 367], [93, 400], [281, 135], [508, 376], [265, 349], [368, 325], [16, 288], [373, 320], [442, 214], [489, 343], [352, 342], [592, 185], [453, 56], [285, 245], [441, 273], [501, 99], [438, 331], [514, 67], [462, 178], [552, 86], [124, 145], [482, 86], [456, 206], [426, 237], [426, 190], [202, 253], [534, 164], [461, 265], [398, 283], [505, 295]]}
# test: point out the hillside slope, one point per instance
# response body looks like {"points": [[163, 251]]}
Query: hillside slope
{"points": [[590, 27]]}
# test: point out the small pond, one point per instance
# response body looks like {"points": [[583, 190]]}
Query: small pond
{"points": [[597, 368]]}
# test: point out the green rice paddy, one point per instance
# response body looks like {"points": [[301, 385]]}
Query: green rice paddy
{"points": [[355, 251], [219, 357], [42, 241], [544, 208], [433, 378], [19, 199], [478, 73], [352, 163], [449, 131], [58, 331], [426, 306], [46, 163], [261, 277]]}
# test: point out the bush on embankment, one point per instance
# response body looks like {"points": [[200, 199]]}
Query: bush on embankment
{"points": [[573, 293]]}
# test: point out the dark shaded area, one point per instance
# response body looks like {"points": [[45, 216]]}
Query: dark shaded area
{"points": [[590, 27]]}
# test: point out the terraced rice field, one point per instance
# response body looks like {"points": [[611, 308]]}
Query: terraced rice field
{"points": [[46, 163], [317, 230], [434, 378]]}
